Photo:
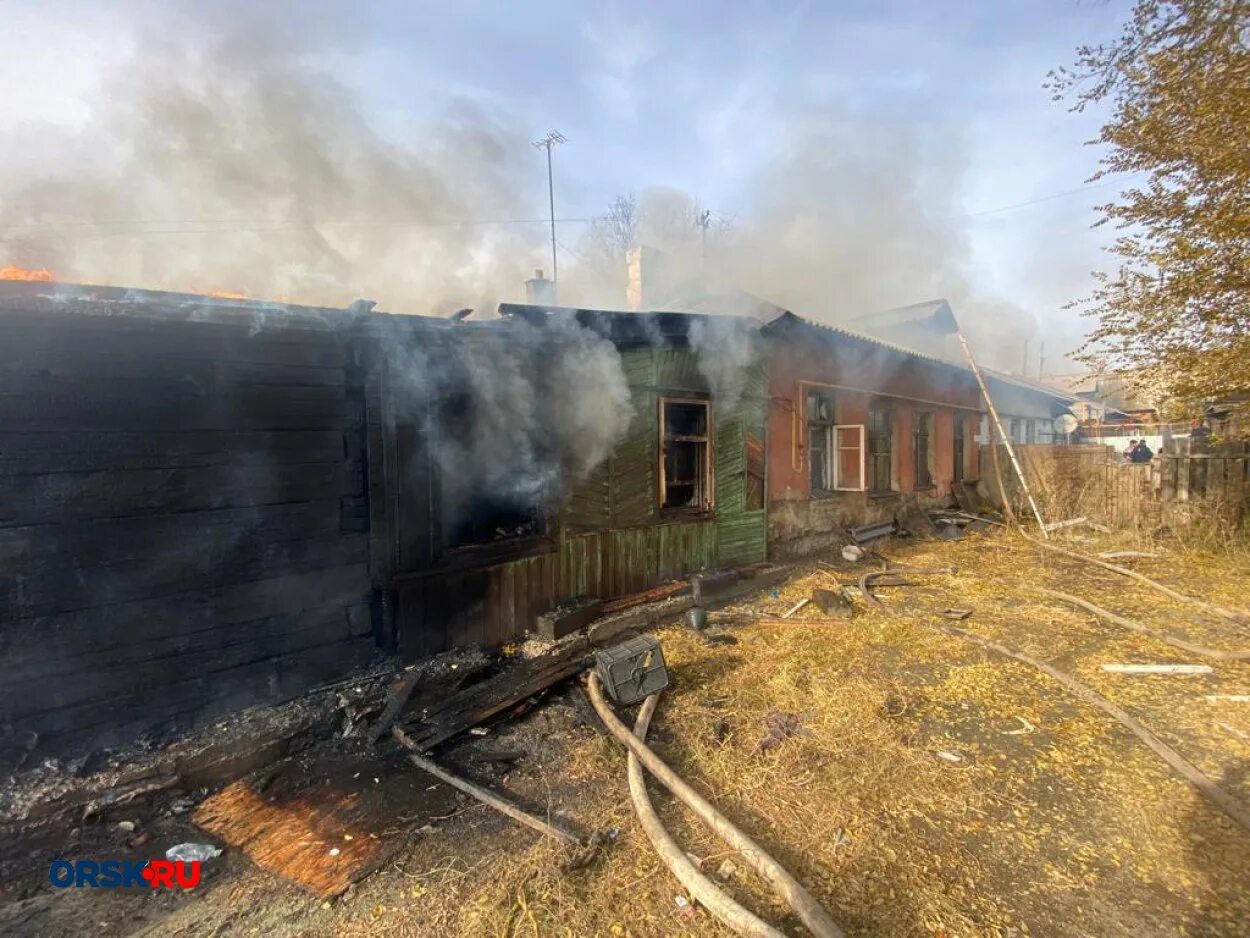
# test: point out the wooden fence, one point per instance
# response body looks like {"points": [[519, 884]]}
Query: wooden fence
{"points": [[1177, 489]]}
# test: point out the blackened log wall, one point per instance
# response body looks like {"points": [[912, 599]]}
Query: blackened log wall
{"points": [[184, 520]]}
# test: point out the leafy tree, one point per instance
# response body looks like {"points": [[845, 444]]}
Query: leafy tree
{"points": [[1175, 311]]}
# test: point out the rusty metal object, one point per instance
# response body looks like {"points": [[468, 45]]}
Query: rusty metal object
{"points": [[866, 581]]}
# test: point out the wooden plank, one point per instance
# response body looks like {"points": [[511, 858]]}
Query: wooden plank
{"points": [[153, 619], [184, 707], [130, 337], [345, 620], [482, 701], [117, 540], [95, 404], [56, 499], [51, 588], [118, 718], [32, 693]]}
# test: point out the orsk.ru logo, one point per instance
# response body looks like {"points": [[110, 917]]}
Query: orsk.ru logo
{"points": [[122, 874]]}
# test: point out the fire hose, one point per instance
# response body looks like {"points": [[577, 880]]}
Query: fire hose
{"points": [[786, 886], [736, 917], [1232, 616], [1201, 650], [1231, 806]]}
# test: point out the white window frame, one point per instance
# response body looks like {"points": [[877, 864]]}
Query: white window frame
{"points": [[837, 457]]}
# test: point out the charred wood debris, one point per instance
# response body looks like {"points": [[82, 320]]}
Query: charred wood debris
{"points": [[388, 709]]}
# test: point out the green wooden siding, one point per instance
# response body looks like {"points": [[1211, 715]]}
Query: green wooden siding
{"points": [[611, 540]]}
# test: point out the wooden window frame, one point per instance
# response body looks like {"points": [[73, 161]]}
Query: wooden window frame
{"points": [[709, 468], [826, 428], [861, 431], [888, 452], [922, 420]]}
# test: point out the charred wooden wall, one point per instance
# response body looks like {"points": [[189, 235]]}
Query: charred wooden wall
{"points": [[610, 538], [183, 515]]}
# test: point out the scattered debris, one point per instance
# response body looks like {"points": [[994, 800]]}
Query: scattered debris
{"points": [[795, 608], [189, 852], [950, 532], [725, 872], [1124, 554], [655, 594], [520, 680], [953, 612], [1025, 728], [181, 805], [126, 827], [852, 553], [569, 617], [781, 726], [870, 532], [1157, 668], [948, 756], [489, 798], [833, 603], [478, 731]]}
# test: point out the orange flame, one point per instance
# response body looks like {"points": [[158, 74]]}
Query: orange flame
{"points": [[13, 272], [228, 295]]}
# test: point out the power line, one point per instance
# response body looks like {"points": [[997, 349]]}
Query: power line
{"points": [[1039, 199]]}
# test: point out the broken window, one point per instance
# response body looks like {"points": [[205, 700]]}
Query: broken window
{"points": [[755, 473], [820, 443], [922, 426], [880, 450], [482, 500], [685, 455]]}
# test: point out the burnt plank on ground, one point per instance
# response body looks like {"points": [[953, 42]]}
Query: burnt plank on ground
{"points": [[479, 702]]}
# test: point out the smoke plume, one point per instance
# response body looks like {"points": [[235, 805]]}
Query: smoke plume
{"points": [[221, 159]]}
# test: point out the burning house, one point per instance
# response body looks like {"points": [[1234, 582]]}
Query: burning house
{"points": [[209, 503]]}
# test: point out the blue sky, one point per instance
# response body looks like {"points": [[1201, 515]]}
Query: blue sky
{"points": [[707, 98]]}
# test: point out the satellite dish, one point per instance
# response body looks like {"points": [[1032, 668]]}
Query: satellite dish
{"points": [[1066, 423]]}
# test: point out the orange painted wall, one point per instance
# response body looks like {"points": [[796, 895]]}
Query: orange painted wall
{"points": [[861, 374]]}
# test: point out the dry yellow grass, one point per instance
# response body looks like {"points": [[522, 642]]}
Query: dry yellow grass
{"points": [[1070, 827]]}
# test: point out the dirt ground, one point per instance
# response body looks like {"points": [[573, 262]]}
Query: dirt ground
{"points": [[927, 786]]}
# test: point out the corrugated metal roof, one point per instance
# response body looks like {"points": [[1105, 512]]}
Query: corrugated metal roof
{"points": [[938, 311], [861, 337]]}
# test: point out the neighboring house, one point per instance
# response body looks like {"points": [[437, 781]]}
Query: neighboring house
{"points": [[1027, 408], [856, 426]]}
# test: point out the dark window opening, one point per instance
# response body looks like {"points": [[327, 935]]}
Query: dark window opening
{"points": [[686, 458], [820, 442], [880, 450], [482, 500], [922, 424]]}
